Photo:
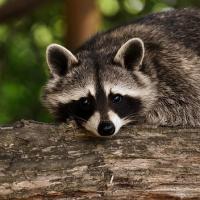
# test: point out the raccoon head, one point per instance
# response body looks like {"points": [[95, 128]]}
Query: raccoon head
{"points": [[100, 96]]}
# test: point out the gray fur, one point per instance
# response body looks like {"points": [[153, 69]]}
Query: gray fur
{"points": [[133, 44], [168, 79], [52, 49]]}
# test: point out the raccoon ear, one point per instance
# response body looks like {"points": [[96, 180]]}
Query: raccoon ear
{"points": [[59, 59], [131, 54]]}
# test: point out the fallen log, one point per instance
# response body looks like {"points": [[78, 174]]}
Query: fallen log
{"points": [[44, 161]]}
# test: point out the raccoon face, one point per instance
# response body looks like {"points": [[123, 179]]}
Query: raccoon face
{"points": [[100, 97]]}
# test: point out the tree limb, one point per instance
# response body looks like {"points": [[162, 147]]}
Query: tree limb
{"points": [[43, 161], [18, 8]]}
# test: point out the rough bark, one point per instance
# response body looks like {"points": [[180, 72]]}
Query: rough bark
{"points": [[43, 161]]}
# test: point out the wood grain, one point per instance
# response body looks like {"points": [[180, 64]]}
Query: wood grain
{"points": [[42, 161]]}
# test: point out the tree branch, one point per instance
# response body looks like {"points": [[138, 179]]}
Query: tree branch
{"points": [[18, 8], [43, 161]]}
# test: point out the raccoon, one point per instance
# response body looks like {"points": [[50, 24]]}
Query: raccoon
{"points": [[144, 72]]}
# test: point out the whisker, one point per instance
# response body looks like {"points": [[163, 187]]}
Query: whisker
{"points": [[84, 120], [131, 118], [77, 117], [131, 115]]}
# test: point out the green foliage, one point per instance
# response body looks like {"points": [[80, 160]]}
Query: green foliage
{"points": [[134, 7], [23, 70], [108, 8], [22, 63]]}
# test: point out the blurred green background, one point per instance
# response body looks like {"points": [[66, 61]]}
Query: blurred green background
{"points": [[23, 70]]}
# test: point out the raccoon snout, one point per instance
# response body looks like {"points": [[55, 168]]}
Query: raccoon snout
{"points": [[106, 128]]}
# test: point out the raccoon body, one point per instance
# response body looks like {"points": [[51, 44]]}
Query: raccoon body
{"points": [[145, 72]]}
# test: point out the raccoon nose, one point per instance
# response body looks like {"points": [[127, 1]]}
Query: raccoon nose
{"points": [[106, 128]]}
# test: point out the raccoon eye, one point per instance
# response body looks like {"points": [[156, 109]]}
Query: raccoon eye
{"points": [[117, 98], [84, 102]]}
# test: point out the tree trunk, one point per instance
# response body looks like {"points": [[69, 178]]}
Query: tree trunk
{"points": [[82, 21], [42, 161]]}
